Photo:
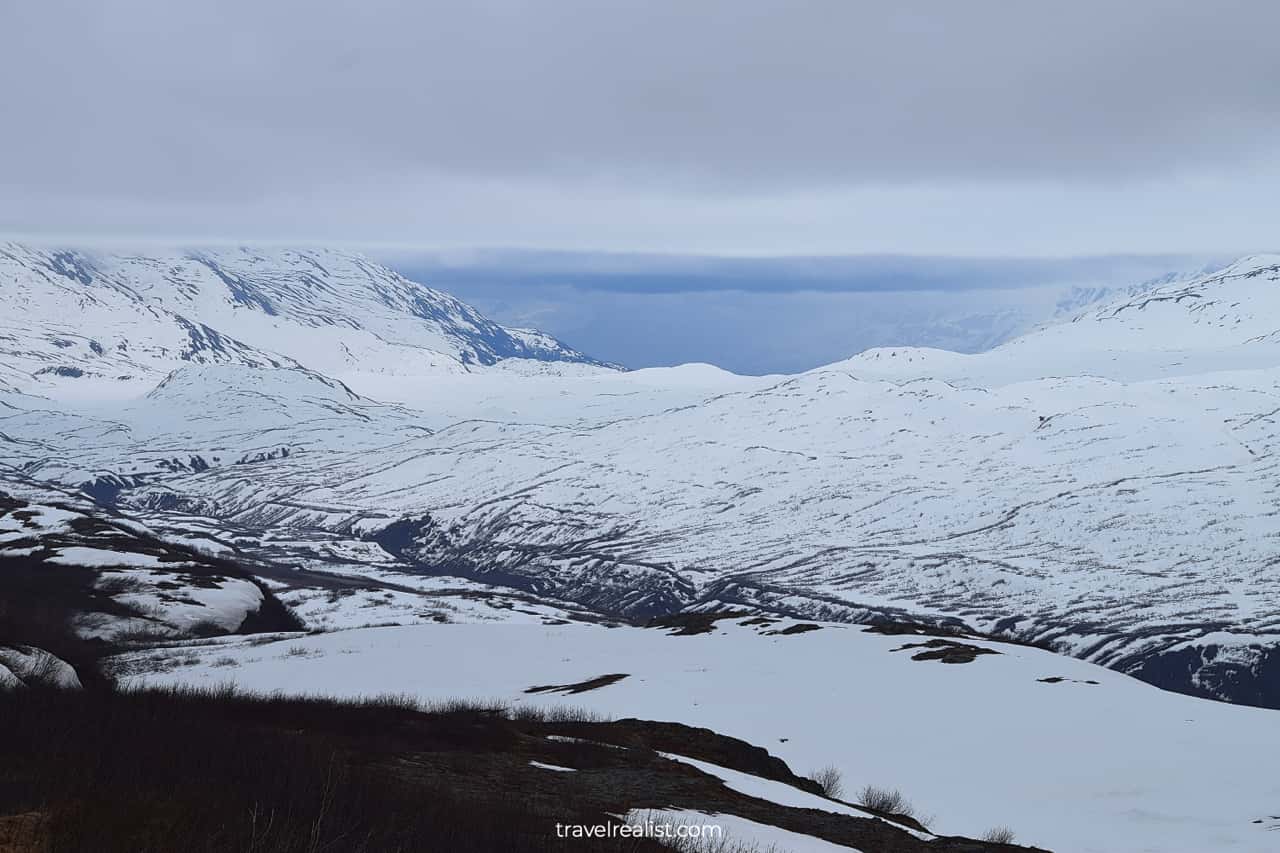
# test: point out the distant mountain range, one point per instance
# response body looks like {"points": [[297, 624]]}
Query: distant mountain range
{"points": [[1079, 298]]}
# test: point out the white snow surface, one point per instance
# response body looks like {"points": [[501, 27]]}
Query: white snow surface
{"points": [[1086, 485], [1115, 766], [27, 666], [225, 602], [1221, 321], [94, 325], [767, 789], [102, 559], [38, 521], [760, 836]]}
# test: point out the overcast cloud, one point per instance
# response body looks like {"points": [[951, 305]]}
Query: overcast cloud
{"points": [[1005, 128]]}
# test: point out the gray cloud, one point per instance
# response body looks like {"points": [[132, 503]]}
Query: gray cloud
{"points": [[737, 125], [482, 270]]}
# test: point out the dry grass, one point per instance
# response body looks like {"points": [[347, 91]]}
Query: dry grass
{"points": [[215, 770]]}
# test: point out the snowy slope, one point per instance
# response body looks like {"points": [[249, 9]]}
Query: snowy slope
{"points": [[100, 325], [1133, 520], [1079, 299], [1228, 319], [66, 331], [1087, 761], [1081, 486], [26, 666], [103, 577]]}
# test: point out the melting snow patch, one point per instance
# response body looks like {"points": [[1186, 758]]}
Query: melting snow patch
{"points": [[777, 792], [171, 600], [42, 520], [101, 558], [763, 836], [29, 666], [567, 739]]}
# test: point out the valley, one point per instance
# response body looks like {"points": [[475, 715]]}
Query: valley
{"points": [[298, 471]]}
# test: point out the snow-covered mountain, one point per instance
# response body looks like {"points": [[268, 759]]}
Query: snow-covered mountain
{"points": [[1223, 320], [1106, 485], [77, 324], [1080, 299]]}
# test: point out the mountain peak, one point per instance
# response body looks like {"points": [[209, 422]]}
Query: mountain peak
{"points": [[115, 324]]}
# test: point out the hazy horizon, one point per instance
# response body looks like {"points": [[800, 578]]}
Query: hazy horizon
{"points": [[771, 315], [756, 315]]}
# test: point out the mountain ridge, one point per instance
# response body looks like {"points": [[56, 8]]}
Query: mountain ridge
{"points": [[121, 322]]}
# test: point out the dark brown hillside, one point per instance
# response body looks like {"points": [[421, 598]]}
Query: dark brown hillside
{"points": [[109, 772]]}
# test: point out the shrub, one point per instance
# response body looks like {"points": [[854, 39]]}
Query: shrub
{"points": [[886, 801], [142, 636], [206, 628], [999, 835], [573, 714], [465, 706], [830, 780], [265, 639], [119, 584]]}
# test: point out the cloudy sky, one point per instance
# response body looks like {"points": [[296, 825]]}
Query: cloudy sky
{"points": [[736, 127]]}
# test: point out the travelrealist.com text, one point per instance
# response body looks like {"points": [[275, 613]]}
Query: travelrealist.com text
{"points": [[639, 830]]}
